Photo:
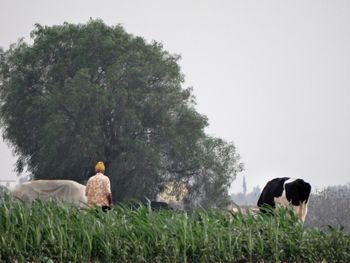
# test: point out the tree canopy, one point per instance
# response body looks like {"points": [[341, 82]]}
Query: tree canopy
{"points": [[89, 92]]}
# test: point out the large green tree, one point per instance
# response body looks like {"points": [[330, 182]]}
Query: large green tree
{"points": [[83, 93]]}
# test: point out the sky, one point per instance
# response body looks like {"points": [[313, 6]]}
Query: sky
{"points": [[273, 77]]}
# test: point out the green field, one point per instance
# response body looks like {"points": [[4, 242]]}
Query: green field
{"points": [[50, 232]]}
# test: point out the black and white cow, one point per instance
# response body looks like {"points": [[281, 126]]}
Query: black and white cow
{"points": [[286, 191]]}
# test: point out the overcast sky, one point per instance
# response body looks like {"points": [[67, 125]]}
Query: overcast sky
{"points": [[271, 76]]}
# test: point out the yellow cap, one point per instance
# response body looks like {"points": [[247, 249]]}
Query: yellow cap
{"points": [[100, 167]]}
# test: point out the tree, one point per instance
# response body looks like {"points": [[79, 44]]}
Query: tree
{"points": [[89, 92], [329, 207]]}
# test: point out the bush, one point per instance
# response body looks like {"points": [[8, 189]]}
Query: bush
{"points": [[330, 207]]}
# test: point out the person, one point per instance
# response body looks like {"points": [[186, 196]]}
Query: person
{"points": [[98, 189]]}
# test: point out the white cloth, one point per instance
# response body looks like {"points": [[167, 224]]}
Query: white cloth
{"points": [[59, 190]]}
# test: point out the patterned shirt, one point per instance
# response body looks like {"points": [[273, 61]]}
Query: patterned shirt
{"points": [[97, 190]]}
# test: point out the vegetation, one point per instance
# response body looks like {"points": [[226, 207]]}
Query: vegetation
{"points": [[329, 207], [3, 191], [46, 232], [89, 92]]}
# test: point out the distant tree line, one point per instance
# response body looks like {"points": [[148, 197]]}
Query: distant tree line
{"points": [[330, 207]]}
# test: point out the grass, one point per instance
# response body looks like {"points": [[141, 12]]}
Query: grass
{"points": [[51, 232]]}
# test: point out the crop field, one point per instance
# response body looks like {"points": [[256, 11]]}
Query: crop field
{"points": [[51, 232]]}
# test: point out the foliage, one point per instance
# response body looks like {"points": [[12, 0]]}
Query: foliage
{"points": [[48, 231], [3, 191], [330, 206], [89, 92]]}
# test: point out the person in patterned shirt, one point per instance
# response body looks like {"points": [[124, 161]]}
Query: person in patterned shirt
{"points": [[98, 189]]}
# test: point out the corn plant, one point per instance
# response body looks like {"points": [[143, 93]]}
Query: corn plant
{"points": [[58, 232]]}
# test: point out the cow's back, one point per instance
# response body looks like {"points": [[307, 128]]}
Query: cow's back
{"points": [[272, 189]]}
